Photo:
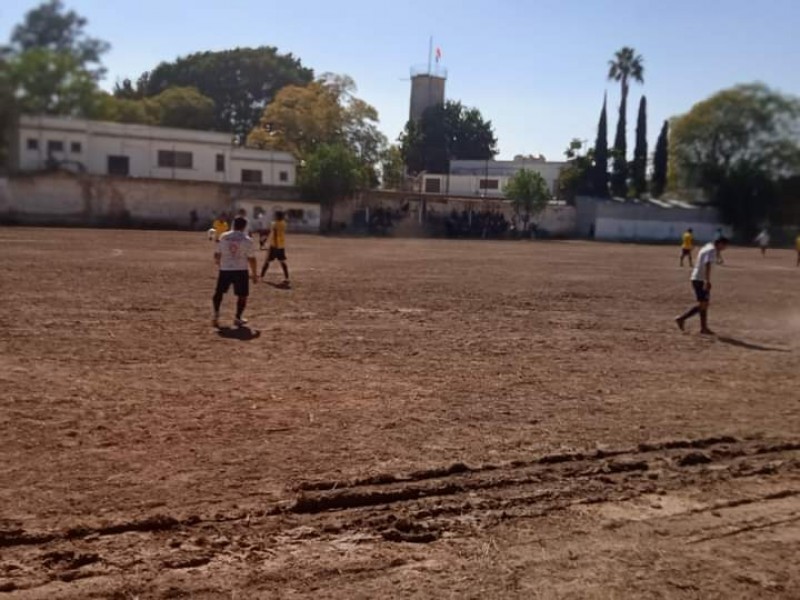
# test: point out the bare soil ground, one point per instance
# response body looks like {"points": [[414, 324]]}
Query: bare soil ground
{"points": [[417, 419]]}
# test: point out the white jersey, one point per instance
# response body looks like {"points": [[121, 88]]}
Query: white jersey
{"points": [[234, 248], [707, 256], [763, 239]]}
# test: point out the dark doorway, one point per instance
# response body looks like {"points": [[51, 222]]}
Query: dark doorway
{"points": [[119, 165]]}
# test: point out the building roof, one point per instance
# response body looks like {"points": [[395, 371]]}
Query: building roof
{"points": [[138, 131]]}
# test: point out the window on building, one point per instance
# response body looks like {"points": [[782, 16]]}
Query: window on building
{"points": [[119, 165], [489, 184], [433, 185], [55, 146], [220, 163], [251, 176], [33, 144], [170, 159], [75, 147], [283, 176]]}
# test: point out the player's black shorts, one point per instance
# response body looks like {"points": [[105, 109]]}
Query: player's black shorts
{"points": [[700, 291], [276, 254], [239, 279], [685, 252]]}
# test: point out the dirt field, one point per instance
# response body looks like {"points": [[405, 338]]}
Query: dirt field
{"points": [[416, 419]]}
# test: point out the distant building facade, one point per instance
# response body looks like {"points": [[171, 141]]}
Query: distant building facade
{"points": [[487, 178], [144, 151]]}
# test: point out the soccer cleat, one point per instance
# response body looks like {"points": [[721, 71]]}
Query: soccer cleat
{"points": [[680, 323], [706, 332], [240, 322]]}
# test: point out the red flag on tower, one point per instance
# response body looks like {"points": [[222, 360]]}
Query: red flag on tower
{"points": [[438, 54]]}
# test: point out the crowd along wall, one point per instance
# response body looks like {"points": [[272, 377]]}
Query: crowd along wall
{"points": [[556, 220], [61, 198]]}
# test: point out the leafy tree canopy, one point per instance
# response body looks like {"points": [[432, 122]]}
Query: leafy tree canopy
{"points": [[240, 82], [735, 146], [393, 169], [331, 172], [324, 112], [446, 132], [576, 178], [50, 27], [528, 193]]}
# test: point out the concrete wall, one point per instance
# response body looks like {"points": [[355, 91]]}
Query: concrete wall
{"points": [[651, 230], [629, 221], [87, 145], [65, 198], [301, 217]]}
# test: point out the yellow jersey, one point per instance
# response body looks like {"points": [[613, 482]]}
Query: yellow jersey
{"points": [[688, 241], [278, 235], [219, 226], [797, 242]]}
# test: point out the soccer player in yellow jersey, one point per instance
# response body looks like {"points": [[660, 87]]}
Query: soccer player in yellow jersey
{"points": [[277, 246], [220, 226], [687, 244]]}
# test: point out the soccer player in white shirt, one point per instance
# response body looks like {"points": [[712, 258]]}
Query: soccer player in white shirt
{"points": [[234, 253], [701, 284], [763, 241]]}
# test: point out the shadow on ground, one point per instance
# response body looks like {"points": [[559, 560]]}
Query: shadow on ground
{"points": [[243, 334], [749, 345]]}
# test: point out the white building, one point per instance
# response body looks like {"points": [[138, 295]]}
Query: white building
{"points": [[129, 150], [487, 178]]}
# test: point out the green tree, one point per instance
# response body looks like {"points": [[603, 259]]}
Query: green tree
{"points": [[659, 181], [331, 173], [240, 82], [529, 195], [626, 66], [736, 146], [393, 170], [50, 27], [599, 183], [576, 177], [302, 118], [185, 108], [51, 66], [52, 83], [639, 170], [446, 132]]}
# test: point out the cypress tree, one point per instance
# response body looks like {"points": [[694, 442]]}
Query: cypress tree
{"points": [[600, 170], [659, 181], [640, 152], [619, 169]]}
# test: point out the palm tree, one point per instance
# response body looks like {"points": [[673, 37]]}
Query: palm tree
{"points": [[625, 66]]}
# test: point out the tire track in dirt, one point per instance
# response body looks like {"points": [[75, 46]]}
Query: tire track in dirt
{"points": [[417, 507]]}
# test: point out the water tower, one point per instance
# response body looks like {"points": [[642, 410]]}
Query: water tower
{"points": [[427, 86]]}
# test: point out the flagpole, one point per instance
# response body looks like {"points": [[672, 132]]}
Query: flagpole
{"points": [[430, 56]]}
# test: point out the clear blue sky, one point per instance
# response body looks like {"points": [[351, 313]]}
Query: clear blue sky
{"points": [[535, 68]]}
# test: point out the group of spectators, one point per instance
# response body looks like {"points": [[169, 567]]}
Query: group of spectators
{"points": [[485, 224]]}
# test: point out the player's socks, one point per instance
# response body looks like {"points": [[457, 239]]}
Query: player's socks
{"points": [[285, 268], [689, 314]]}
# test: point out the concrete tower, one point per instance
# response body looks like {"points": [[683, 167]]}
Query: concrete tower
{"points": [[427, 85]]}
